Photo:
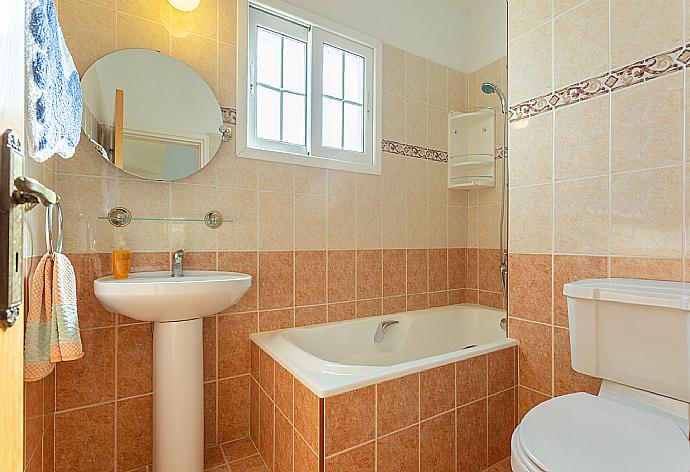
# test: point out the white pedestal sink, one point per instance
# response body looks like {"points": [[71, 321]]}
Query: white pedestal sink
{"points": [[176, 306]]}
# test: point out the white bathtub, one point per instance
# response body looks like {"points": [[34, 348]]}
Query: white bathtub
{"points": [[338, 357]]}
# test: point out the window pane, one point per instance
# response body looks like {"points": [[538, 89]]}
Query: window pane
{"points": [[353, 128], [268, 63], [354, 78], [267, 114], [332, 131], [295, 65], [294, 109], [332, 71]]}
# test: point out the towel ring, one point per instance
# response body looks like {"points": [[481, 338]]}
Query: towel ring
{"points": [[52, 245]]}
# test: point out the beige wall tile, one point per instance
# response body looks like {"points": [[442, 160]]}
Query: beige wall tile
{"points": [[311, 180], [86, 161], [473, 227], [145, 199], [493, 73], [369, 212], [438, 226], [581, 216], [276, 221], [687, 111], [242, 207], [341, 183], [531, 151], [276, 176], [530, 64], [457, 90], [394, 201], [457, 197], [531, 219], [437, 183], [491, 195], [438, 85], [416, 78], [393, 70], [472, 91], [457, 227], [156, 10], [227, 71], [416, 123], [393, 117], [655, 137], [646, 211], [191, 201], [203, 20], [524, 15], [134, 32], [417, 198], [200, 54], [581, 140], [581, 39], [311, 221], [561, 6], [235, 172], [227, 21], [80, 21], [488, 227], [438, 128], [341, 222], [633, 40]]}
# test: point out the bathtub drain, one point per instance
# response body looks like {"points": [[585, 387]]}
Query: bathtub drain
{"points": [[467, 347]]}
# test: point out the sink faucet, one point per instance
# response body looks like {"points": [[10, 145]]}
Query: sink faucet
{"points": [[382, 328], [177, 265]]}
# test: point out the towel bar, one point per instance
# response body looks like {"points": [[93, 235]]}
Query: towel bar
{"points": [[31, 192]]}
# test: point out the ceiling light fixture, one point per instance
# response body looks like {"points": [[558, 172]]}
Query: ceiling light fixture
{"points": [[185, 5]]}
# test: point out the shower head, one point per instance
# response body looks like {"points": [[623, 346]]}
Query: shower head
{"points": [[489, 88]]}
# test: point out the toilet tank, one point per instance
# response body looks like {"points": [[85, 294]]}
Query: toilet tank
{"points": [[634, 332]]}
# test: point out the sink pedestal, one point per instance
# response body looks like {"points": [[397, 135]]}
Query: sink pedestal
{"points": [[178, 396]]}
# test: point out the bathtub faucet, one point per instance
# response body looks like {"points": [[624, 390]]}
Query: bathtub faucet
{"points": [[383, 327]]}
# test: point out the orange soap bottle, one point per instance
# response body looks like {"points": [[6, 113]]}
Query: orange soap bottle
{"points": [[121, 260]]}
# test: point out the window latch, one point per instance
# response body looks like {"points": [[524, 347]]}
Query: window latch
{"points": [[251, 78]]}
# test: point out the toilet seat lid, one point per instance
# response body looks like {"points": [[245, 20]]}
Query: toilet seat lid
{"points": [[580, 432]]}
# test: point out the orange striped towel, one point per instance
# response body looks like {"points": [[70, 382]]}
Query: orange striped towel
{"points": [[52, 326]]}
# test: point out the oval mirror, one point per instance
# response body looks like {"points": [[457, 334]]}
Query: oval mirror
{"points": [[150, 115]]}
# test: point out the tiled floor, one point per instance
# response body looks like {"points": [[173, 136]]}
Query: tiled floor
{"points": [[234, 456], [503, 466]]}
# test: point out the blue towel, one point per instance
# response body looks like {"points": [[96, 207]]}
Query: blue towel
{"points": [[54, 103]]}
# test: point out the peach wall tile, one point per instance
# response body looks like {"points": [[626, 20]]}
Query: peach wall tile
{"points": [[581, 216], [284, 433], [437, 443], [233, 417], [492, 299], [246, 263], [349, 419], [200, 260], [488, 269], [90, 379], [472, 275], [250, 464], [632, 41], [372, 307], [417, 271], [266, 428], [33, 417], [305, 459], [397, 403], [267, 373], [394, 272], [213, 457], [529, 287], [341, 275], [437, 299], [647, 268], [342, 311], [276, 319], [585, 28], [234, 354], [471, 434], [135, 433], [647, 223], [239, 449], [210, 423], [254, 410], [437, 390], [307, 411], [502, 368], [528, 399], [575, 157], [470, 379], [369, 274], [569, 269], [398, 451], [534, 354], [360, 459], [419, 301], [49, 447], [393, 305], [284, 390], [457, 268], [87, 268], [309, 315], [438, 270], [567, 380], [93, 426], [209, 340], [276, 280], [501, 424], [134, 360]]}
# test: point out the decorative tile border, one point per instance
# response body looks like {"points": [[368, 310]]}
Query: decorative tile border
{"points": [[640, 71], [410, 150], [229, 115]]}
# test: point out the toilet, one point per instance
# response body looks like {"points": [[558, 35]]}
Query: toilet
{"points": [[635, 335]]}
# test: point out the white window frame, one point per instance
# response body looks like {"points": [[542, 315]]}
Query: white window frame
{"points": [[321, 30]]}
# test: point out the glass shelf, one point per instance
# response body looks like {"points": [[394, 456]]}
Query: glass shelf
{"points": [[120, 217]]}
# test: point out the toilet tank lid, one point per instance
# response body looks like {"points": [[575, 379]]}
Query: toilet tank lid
{"points": [[633, 291]]}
